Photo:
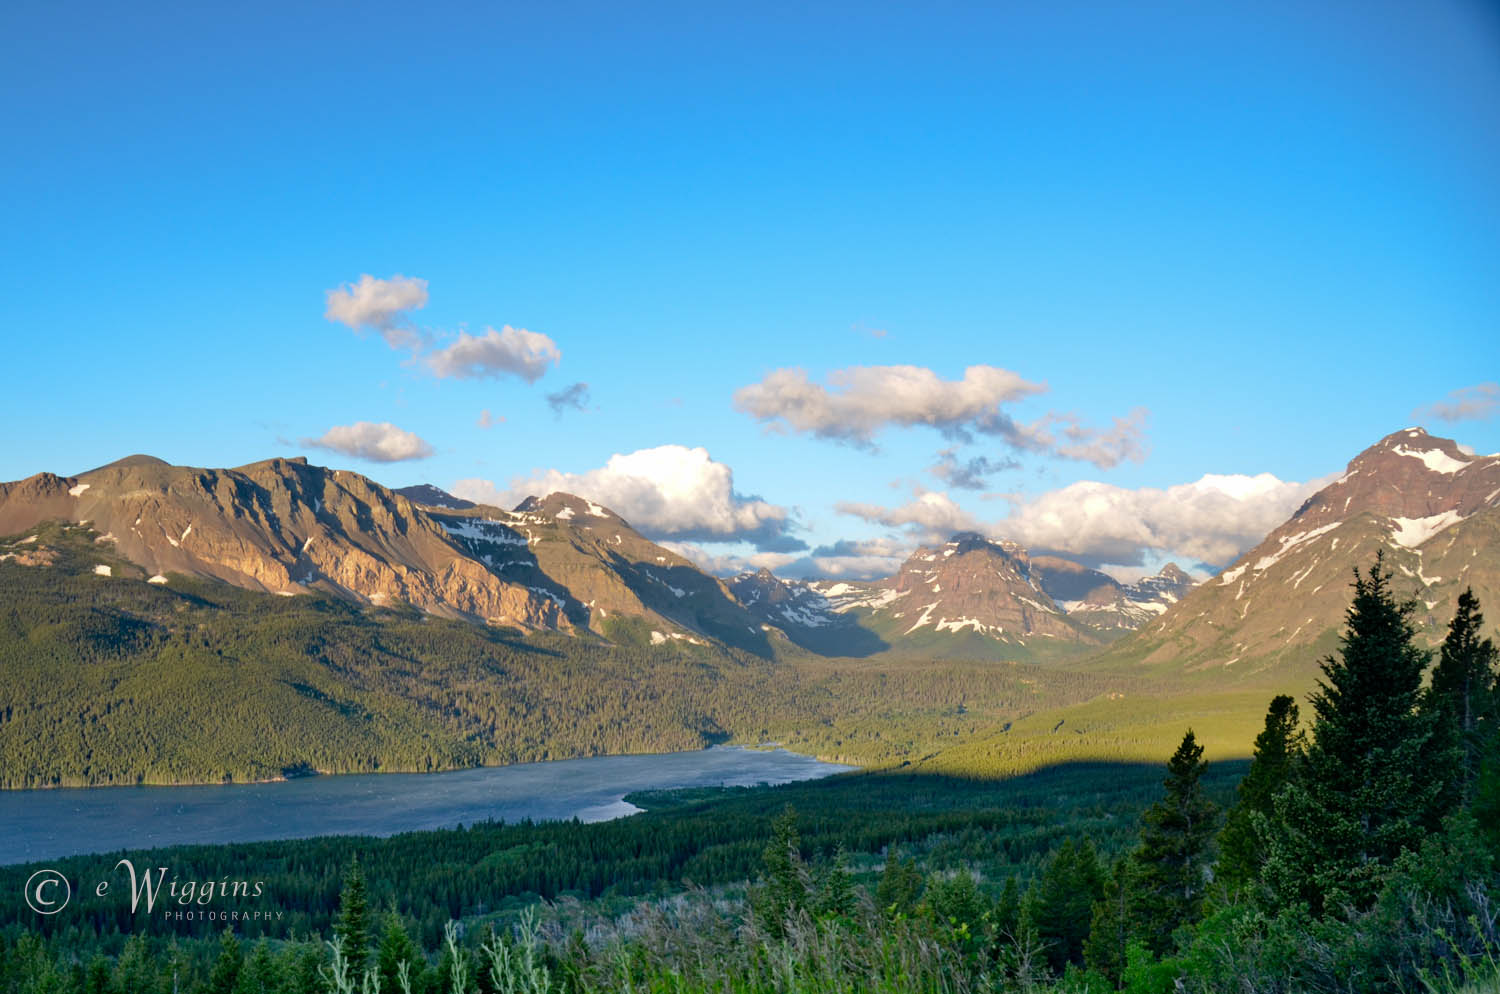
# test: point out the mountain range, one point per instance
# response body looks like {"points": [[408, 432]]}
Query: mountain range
{"points": [[564, 563]]}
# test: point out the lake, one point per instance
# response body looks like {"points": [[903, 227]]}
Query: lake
{"points": [[46, 824]]}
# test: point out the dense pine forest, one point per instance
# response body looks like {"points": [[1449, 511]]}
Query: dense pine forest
{"points": [[1357, 853]]}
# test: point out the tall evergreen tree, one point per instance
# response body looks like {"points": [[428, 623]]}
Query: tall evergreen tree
{"points": [[227, 967], [396, 947], [1172, 860], [1112, 926], [353, 924], [1461, 699], [835, 891], [1062, 906], [785, 890], [1362, 793], [1241, 844], [900, 883]]}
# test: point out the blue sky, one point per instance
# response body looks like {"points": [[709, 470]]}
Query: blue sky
{"points": [[1272, 229]]}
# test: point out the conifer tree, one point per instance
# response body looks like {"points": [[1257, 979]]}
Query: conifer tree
{"points": [[227, 967], [1172, 861], [900, 883], [785, 889], [836, 886], [396, 947], [353, 923], [1112, 927], [1064, 900], [1362, 793], [1461, 700], [1277, 747], [1008, 910]]}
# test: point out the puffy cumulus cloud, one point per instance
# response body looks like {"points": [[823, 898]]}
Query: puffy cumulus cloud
{"points": [[1477, 403], [930, 516], [382, 442], [573, 398], [668, 492], [866, 399], [382, 305], [509, 351], [1212, 520]]}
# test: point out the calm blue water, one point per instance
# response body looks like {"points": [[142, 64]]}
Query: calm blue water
{"points": [[46, 824]]}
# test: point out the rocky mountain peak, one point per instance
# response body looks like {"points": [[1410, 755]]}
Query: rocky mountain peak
{"points": [[566, 506], [1408, 476], [430, 496], [1172, 573]]}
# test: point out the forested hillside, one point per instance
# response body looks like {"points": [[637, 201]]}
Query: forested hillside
{"points": [[110, 679]]}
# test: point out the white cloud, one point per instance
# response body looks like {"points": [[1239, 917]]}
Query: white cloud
{"points": [[1212, 520], [488, 420], [853, 559], [931, 516], [668, 492], [382, 442], [726, 564], [867, 399], [513, 351], [381, 305], [1477, 403], [862, 401], [1103, 448]]}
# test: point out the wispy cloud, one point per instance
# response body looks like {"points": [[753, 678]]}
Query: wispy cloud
{"points": [[382, 305], [1477, 403], [667, 492], [382, 442], [488, 420], [573, 398], [860, 402], [968, 474], [507, 352]]}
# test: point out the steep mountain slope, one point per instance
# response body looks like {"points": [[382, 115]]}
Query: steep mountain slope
{"points": [[285, 527], [280, 526], [1433, 509], [602, 574], [805, 615], [1103, 603]]}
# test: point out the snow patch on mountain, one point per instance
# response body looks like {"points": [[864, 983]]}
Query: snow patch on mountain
{"points": [[1412, 532], [1435, 460]]}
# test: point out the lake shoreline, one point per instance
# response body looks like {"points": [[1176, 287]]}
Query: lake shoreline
{"points": [[317, 773], [38, 824]]}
